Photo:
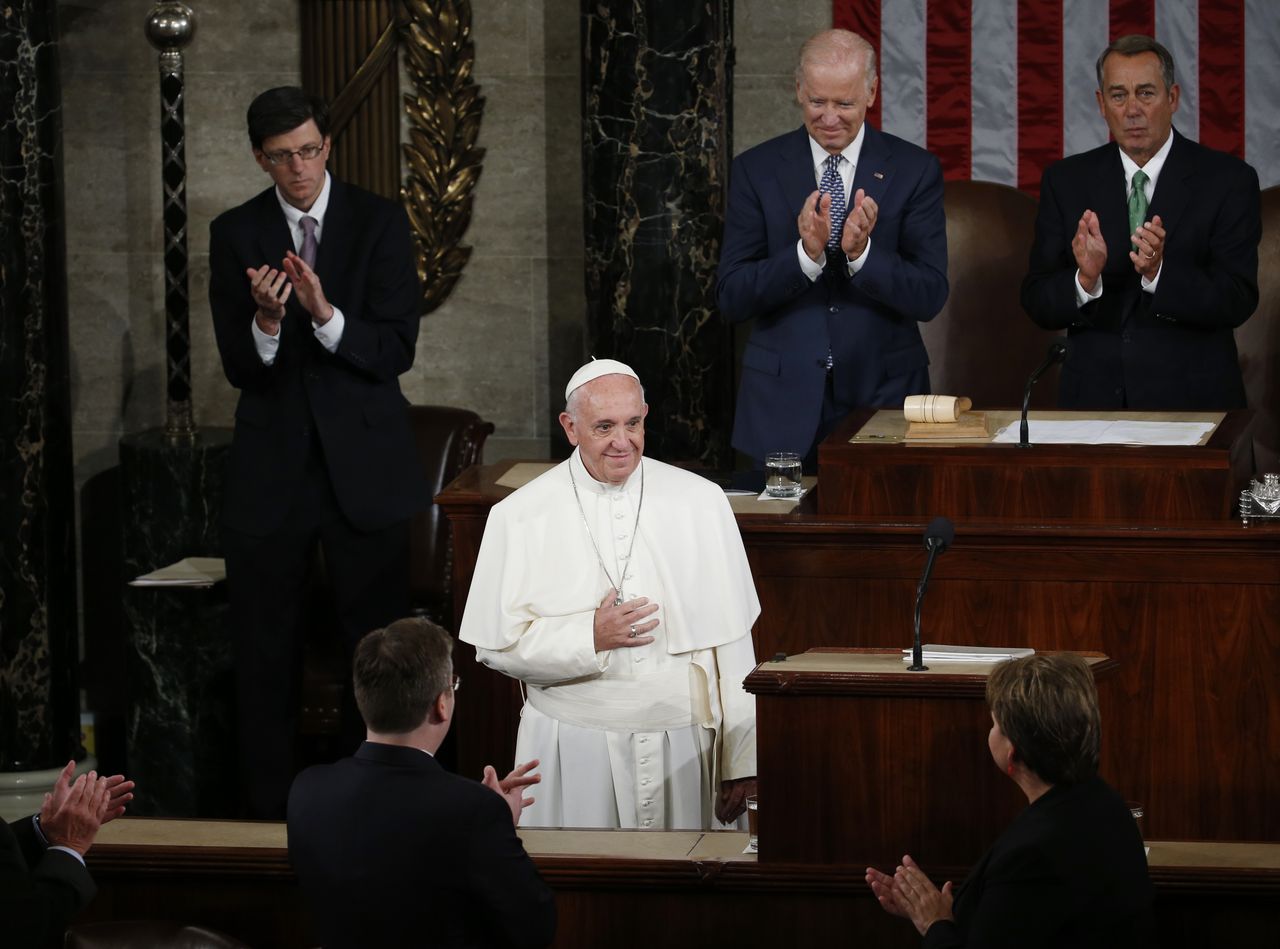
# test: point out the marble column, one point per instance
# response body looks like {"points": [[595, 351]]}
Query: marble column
{"points": [[179, 732], [180, 735], [655, 160], [39, 705]]}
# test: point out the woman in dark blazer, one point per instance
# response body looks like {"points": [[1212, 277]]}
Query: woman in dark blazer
{"points": [[1070, 870]]}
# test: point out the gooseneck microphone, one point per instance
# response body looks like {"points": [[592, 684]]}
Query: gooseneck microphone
{"points": [[1058, 351], [937, 538]]}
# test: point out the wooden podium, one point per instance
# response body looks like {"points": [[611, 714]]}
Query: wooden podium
{"points": [[861, 761], [1147, 567], [867, 468]]}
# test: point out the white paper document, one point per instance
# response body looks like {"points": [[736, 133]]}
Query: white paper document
{"points": [[933, 652], [188, 572], [1105, 432]]}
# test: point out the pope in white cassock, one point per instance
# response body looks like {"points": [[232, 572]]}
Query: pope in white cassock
{"points": [[616, 588]]}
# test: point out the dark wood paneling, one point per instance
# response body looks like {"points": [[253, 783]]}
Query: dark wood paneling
{"points": [[863, 767], [1190, 609], [347, 60], [1189, 728], [1099, 483], [623, 903]]}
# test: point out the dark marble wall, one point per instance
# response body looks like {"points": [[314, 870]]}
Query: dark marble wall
{"points": [[655, 118], [179, 731], [39, 708]]}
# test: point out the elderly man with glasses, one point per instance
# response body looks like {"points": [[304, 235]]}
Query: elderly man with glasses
{"points": [[315, 303]]}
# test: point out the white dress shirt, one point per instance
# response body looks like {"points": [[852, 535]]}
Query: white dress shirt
{"points": [[813, 269], [330, 333], [1152, 169]]}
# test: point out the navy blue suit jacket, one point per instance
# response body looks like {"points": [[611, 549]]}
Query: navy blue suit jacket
{"points": [[392, 850], [868, 322], [1172, 349], [1068, 873], [350, 399], [41, 890]]}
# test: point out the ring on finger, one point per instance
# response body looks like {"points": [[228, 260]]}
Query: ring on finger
{"points": [[634, 633], [1150, 256]]}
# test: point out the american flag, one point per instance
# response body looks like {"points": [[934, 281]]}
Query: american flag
{"points": [[998, 89]]}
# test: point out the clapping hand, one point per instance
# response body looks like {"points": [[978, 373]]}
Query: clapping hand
{"points": [[511, 788]]}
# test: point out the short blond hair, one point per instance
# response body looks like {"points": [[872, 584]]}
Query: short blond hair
{"points": [[1047, 706]]}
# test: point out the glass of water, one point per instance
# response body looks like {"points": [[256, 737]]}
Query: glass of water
{"points": [[782, 474]]}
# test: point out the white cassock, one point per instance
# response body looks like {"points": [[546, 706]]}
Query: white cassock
{"points": [[629, 737]]}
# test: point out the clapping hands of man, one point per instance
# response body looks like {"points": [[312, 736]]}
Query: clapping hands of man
{"points": [[814, 224], [1090, 249], [74, 810], [271, 289], [511, 788]]}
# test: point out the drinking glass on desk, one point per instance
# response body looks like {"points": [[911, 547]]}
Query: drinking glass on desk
{"points": [[782, 474], [1139, 813], [753, 815]]}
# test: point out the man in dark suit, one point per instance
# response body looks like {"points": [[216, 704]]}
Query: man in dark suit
{"points": [[1146, 251], [43, 879], [392, 850], [315, 305], [834, 295]]}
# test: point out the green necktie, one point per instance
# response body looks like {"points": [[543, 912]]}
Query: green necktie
{"points": [[1138, 202]]}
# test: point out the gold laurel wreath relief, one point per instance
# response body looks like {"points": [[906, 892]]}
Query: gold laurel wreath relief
{"points": [[443, 161]]}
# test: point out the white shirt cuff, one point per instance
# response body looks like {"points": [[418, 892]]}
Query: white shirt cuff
{"points": [[1083, 296], [812, 269], [856, 264], [1150, 285], [266, 345], [330, 334]]}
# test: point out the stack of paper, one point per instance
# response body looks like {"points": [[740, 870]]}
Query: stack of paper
{"points": [[188, 572], [935, 653], [1106, 432]]}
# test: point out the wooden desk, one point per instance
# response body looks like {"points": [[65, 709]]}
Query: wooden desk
{"points": [[862, 761], [884, 476], [1189, 609], [627, 889]]}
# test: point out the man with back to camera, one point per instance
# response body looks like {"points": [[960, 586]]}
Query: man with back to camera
{"points": [[43, 879], [316, 305], [834, 298], [616, 588], [1146, 251], [392, 850]]}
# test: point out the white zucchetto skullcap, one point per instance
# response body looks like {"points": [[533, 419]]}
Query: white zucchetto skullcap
{"points": [[594, 370]]}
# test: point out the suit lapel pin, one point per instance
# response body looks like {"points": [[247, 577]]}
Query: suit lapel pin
{"points": [[878, 175]]}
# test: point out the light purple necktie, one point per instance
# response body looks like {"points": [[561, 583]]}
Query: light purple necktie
{"points": [[308, 252]]}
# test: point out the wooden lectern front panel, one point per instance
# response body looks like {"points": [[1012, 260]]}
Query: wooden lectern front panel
{"points": [[863, 780]]}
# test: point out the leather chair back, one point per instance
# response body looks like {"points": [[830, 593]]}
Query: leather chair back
{"points": [[983, 344], [1258, 341], [449, 440]]}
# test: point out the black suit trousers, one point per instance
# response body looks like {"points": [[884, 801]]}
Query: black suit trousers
{"points": [[268, 577]]}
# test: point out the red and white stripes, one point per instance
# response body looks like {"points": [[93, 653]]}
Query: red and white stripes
{"points": [[1000, 88]]}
